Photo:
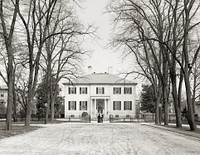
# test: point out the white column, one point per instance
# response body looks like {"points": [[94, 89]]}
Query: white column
{"points": [[91, 102], [95, 107], [105, 107]]}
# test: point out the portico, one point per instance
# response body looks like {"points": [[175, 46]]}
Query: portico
{"points": [[99, 104]]}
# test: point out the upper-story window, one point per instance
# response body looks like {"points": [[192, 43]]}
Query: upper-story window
{"points": [[116, 105], [117, 90], [72, 90], [127, 90], [2, 95], [127, 105], [83, 90], [99, 90]]}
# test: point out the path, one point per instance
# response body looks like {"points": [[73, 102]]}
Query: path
{"points": [[99, 139]]}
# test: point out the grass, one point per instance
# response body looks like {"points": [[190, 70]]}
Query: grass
{"points": [[19, 128], [16, 129], [184, 128]]}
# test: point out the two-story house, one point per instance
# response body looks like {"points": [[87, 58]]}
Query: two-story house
{"points": [[100, 92]]}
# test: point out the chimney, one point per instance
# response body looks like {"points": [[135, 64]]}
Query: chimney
{"points": [[110, 70], [90, 69]]}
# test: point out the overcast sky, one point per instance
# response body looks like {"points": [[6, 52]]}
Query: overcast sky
{"points": [[94, 12]]}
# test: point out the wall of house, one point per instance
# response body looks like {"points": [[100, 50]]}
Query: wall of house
{"points": [[123, 97], [77, 97], [108, 93]]}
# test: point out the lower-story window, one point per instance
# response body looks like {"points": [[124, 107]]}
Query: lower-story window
{"points": [[83, 105], [72, 105], [116, 105], [127, 105]]}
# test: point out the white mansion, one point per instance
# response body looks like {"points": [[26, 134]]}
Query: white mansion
{"points": [[100, 92]]}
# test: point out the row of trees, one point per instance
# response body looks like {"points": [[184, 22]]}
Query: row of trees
{"points": [[38, 37], [163, 36]]}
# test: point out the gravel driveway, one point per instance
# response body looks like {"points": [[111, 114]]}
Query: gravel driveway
{"points": [[104, 139]]}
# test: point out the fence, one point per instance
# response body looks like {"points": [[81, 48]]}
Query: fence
{"points": [[85, 119], [118, 119]]}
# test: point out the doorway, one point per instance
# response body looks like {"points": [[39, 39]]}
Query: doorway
{"points": [[100, 105]]}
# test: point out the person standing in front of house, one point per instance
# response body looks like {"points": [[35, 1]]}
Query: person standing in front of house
{"points": [[101, 117]]}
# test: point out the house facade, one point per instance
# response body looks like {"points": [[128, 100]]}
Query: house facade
{"points": [[100, 92]]}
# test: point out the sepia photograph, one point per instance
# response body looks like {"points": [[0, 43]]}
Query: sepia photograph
{"points": [[99, 77]]}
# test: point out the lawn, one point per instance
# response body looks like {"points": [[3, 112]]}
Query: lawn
{"points": [[16, 129], [19, 128]]}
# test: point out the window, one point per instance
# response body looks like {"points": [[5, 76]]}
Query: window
{"points": [[72, 105], [116, 105], [99, 90], [72, 90], [128, 90], [83, 90], [2, 95], [127, 105], [116, 90], [83, 105]]}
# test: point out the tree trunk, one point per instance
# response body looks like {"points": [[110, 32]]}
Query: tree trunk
{"points": [[165, 90], [48, 87], [28, 111], [10, 90], [175, 100], [52, 108], [175, 93], [157, 112], [29, 100], [190, 112], [14, 105]]}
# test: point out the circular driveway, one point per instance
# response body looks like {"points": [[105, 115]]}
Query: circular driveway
{"points": [[104, 139]]}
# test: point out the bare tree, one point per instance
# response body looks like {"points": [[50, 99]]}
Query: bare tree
{"points": [[7, 33], [167, 26], [142, 24], [39, 12], [63, 52]]}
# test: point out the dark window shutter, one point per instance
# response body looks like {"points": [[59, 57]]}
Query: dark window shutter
{"points": [[75, 105], [130, 105], [69, 105]]}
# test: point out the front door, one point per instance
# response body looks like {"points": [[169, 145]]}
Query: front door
{"points": [[100, 105]]}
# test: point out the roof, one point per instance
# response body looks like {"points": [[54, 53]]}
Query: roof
{"points": [[100, 79]]}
